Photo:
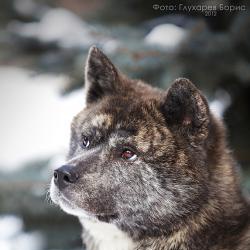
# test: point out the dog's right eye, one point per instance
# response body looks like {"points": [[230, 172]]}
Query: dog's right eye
{"points": [[85, 142], [127, 154]]}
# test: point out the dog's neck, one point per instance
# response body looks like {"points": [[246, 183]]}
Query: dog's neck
{"points": [[99, 235], [105, 236]]}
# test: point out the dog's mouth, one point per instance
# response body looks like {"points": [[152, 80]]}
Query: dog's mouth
{"points": [[69, 207], [107, 217], [66, 204]]}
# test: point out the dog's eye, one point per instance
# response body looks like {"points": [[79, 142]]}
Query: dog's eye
{"points": [[128, 155], [85, 142]]}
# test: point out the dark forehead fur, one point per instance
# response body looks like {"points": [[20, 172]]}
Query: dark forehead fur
{"points": [[137, 104]]}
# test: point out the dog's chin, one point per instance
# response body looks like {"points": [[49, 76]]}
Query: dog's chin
{"points": [[70, 208]]}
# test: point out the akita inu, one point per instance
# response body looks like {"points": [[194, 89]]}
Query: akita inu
{"points": [[149, 169]]}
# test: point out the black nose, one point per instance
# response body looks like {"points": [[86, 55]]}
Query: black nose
{"points": [[64, 176]]}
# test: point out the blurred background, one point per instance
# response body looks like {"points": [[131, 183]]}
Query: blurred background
{"points": [[43, 46]]}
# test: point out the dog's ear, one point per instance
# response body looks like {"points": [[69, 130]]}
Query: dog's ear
{"points": [[185, 109], [101, 76]]}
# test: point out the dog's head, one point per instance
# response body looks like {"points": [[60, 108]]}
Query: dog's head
{"points": [[138, 156]]}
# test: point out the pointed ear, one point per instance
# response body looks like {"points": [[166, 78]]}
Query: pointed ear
{"points": [[101, 76], [186, 109]]}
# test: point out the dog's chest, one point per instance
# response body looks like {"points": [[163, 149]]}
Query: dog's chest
{"points": [[105, 236]]}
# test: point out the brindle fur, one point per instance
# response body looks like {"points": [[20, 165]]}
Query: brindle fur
{"points": [[183, 190]]}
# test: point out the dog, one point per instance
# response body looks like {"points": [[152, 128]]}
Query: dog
{"points": [[150, 169]]}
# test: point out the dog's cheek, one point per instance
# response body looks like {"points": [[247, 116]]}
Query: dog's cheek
{"points": [[132, 187]]}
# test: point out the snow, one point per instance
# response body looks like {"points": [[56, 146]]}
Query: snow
{"points": [[12, 236], [10, 226], [220, 103], [168, 36], [111, 46], [35, 118], [57, 26], [30, 8]]}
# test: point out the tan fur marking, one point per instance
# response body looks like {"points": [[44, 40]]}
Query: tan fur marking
{"points": [[102, 120], [142, 140]]}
